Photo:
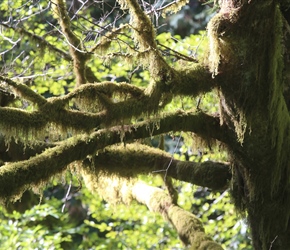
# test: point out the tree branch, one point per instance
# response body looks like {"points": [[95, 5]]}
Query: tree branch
{"points": [[142, 102], [203, 125], [19, 151], [171, 7], [108, 88], [25, 92], [134, 159], [118, 189], [188, 226], [144, 34], [76, 49], [193, 81]]}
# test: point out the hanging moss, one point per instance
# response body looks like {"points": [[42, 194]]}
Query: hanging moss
{"points": [[173, 7], [21, 124], [220, 43]]}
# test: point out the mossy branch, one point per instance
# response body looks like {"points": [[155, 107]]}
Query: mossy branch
{"points": [[134, 102], [144, 35], [105, 42], [25, 92], [134, 159], [17, 177], [172, 192], [77, 52], [193, 81], [108, 88], [190, 229], [200, 123], [19, 151], [21, 124], [116, 189], [172, 7], [188, 226], [25, 125]]}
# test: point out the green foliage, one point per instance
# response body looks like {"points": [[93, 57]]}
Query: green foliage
{"points": [[42, 225]]}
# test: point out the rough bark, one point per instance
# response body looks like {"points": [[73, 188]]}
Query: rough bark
{"points": [[247, 60]]}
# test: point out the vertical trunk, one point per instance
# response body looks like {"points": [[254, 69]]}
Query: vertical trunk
{"points": [[246, 59]]}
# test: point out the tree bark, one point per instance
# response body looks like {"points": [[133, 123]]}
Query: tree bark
{"points": [[247, 59]]}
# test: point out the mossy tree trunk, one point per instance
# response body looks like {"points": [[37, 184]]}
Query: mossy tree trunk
{"points": [[247, 59]]}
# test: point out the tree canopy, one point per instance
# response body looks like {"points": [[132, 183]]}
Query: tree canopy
{"points": [[86, 87]]}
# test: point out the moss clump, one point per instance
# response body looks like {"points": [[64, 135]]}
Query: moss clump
{"points": [[113, 189]]}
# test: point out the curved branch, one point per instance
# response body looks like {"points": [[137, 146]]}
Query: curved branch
{"points": [[142, 102], [200, 123], [108, 88], [25, 92]]}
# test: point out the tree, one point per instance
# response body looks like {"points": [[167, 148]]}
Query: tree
{"points": [[93, 129]]}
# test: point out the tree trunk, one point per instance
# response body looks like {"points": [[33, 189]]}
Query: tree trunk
{"points": [[246, 58]]}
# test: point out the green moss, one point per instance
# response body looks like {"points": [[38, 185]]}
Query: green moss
{"points": [[279, 115], [21, 124], [190, 230], [251, 87], [174, 7]]}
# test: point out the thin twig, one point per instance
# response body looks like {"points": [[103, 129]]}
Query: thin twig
{"points": [[170, 162], [179, 55], [66, 197], [272, 242]]}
